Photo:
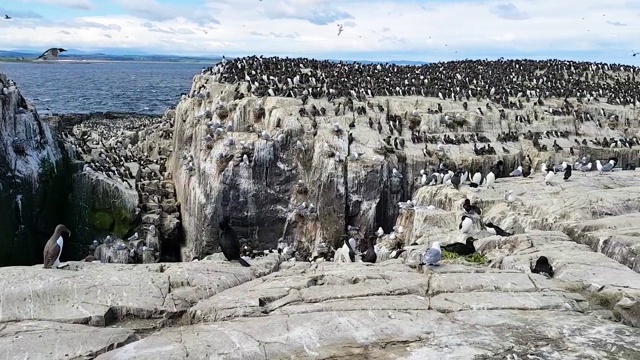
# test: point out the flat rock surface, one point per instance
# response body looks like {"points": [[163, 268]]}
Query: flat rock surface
{"points": [[391, 311]]}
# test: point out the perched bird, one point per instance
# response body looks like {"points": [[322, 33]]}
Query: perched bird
{"points": [[433, 255], [490, 179], [509, 196], [496, 230], [461, 249], [380, 232], [229, 243], [567, 173], [471, 208], [606, 167], [351, 244], [516, 172], [53, 52], [53, 247], [543, 266], [455, 180], [465, 225], [370, 255], [550, 175]]}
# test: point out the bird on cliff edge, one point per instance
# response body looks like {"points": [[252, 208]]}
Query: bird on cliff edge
{"points": [[53, 247], [433, 255], [53, 52], [229, 243]]}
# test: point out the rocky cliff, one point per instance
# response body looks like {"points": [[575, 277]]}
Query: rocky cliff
{"points": [[34, 185], [278, 166], [125, 210]]}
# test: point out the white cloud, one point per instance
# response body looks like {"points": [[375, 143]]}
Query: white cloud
{"points": [[385, 29], [76, 4]]}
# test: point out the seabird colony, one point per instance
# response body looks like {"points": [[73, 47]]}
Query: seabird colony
{"points": [[129, 153], [502, 86]]}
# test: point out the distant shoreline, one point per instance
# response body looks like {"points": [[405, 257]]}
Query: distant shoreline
{"points": [[94, 61]]}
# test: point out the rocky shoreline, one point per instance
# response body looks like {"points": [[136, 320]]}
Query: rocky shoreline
{"points": [[299, 172]]}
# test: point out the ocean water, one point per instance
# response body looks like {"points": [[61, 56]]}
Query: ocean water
{"points": [[141, 87]]}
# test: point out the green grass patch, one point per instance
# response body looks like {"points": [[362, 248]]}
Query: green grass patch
{"points": [[475, 258]]}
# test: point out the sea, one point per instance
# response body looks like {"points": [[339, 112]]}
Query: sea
{"points": [[85, 87]]}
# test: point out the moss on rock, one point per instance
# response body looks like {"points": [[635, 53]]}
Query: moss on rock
{"points": [[102, 220]]}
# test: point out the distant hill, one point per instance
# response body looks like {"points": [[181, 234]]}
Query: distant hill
{"points": [[72, 54]]}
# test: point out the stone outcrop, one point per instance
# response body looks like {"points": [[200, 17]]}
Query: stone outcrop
{"points": [[213, 308], [306, 162], [91, 308], [33, 181], [125, 202]]}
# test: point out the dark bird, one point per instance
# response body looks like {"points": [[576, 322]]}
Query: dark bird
{"points": [[471, 208], [633, 53], [53, 52], [370, 255], [543, 266], [7, 17], [461, 249], [53, 247], [496, 230], [229, 242], [455, 179], [567, 173]]}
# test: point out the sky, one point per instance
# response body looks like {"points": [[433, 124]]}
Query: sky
{"points": [[594, 30]]}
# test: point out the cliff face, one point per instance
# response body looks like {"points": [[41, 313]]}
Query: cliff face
{"points": [[300, 165], [119, 187], [33, 185]]}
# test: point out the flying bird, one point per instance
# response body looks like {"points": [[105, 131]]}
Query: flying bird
{"points": [[53, 52], [7, 17], [633, 52], [340, 28]]}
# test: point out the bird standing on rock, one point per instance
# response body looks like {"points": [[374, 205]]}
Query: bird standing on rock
{"points": [[433, 255], [229, 243], [53, 247], [465, 225], [543, 266], [567, 173], [461, 249]]}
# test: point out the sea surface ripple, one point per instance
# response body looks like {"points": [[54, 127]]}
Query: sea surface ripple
{"points": [[140, 87]]}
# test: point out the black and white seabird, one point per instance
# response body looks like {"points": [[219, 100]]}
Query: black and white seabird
{"points": [[53, 53], [53, 248], [496, 230], [543, 266]]}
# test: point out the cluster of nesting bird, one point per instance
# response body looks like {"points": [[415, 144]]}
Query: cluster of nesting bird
{"points": [[456, 80], [107, 146], [472, 212]]}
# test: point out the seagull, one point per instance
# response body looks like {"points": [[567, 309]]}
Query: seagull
{"points": [[633, 52], [340, 28], [606, 167], [433, 255]]}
